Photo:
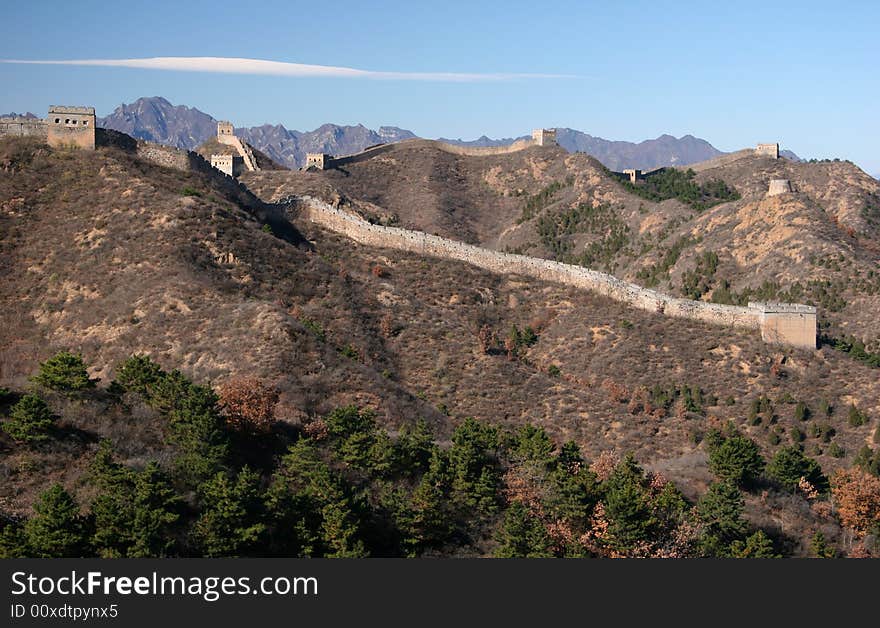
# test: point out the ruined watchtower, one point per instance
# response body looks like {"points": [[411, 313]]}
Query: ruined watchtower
{"points": [[779, 186], [768, 150], [633, 174], [544, 137], [71, 127]]}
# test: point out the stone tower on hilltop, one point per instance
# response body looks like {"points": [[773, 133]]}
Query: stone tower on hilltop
{"points": [[544, 137], [768, 150], [227, 163], [71, 127]]}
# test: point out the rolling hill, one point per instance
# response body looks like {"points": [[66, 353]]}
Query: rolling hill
{"points": [[110, 256]]}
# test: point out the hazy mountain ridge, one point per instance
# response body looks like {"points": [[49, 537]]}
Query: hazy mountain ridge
{"points": [[157, 120]]}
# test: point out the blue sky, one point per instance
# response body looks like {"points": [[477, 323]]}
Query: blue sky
{"points": [[801, 73]]}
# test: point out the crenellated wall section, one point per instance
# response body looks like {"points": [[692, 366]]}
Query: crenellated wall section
{"points": [[793, 325]]}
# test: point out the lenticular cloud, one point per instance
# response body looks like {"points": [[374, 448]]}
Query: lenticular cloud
{"points": [[235, 65]]}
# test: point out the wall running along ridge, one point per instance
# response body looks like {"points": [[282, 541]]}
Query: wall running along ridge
{"points": [[470, 151], [800, 331], [243, 149]]}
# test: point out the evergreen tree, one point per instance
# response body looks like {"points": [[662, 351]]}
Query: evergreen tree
{"points": [[429, 523], [630, 517], [230, 523], [134, 512], [735, 458], [413, 449], [790, 464], [532, 444], [196, 426], [64, 372], [758, 545], [13, 543], [473, 465], [57, 530], [29, 420], [819, 547], [720, 511], [138, 374], [522, 535], [305, 484]]}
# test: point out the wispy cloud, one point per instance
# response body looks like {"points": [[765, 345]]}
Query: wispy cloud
{"points": [[234, 65]]}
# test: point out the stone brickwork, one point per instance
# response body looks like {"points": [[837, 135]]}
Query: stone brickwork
{"points": [[361, 231], [71, 127], [779, 186], [768, 150]]}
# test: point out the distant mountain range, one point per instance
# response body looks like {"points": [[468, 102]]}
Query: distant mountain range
{"points": [[155, 119]]}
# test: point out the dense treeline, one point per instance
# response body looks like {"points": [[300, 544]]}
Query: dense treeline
{"points": [[680, 184], [341, 486]]}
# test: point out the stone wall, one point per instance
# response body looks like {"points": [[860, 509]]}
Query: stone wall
{"points": [[33, 127], [162, 155], [223, 163], [243, 149], [471, 151], [361, 231]]}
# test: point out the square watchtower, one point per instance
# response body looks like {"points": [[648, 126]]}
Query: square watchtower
{"points": [[71, 127], [224, 127], [544, 137]]}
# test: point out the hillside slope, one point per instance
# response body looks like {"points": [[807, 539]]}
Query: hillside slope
{"points": [[110, 256], [817, 245]]}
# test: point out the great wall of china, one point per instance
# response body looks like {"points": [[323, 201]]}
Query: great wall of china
{"points": [[784, 323], [540, 137]]}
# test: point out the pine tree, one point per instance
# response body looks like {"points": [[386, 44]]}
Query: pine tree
{"points": [[13, 543], [790, 464], [473, 466], [819, 547], [758, 545], [29, 420], [138, 374], [532, 444], [57, 530], [522, 535], [630, 517], [134, 512], [720, 511], [232, 511], [735, 458], [430, 523], [64, 372]]}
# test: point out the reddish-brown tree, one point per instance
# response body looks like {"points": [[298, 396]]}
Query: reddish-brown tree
{"points": [[857, 495], [248, 404]]}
